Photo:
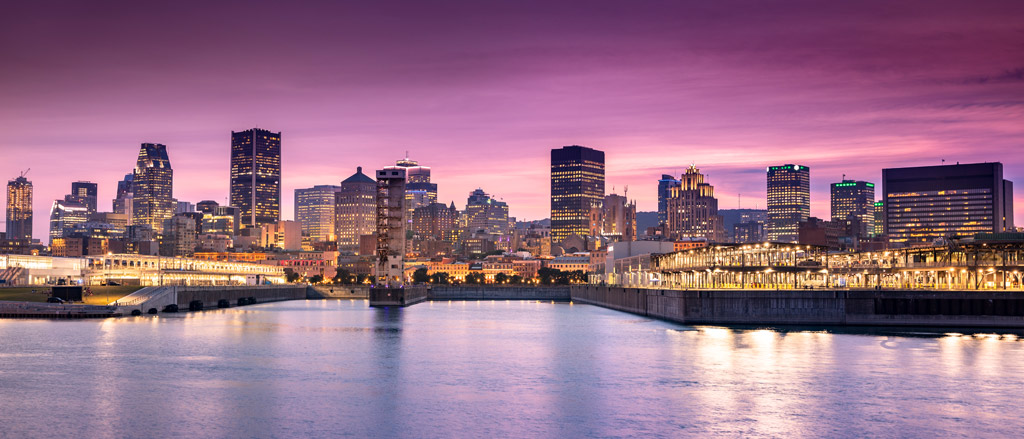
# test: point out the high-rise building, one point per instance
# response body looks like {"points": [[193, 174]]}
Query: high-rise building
{"points": [[180, 236], [577, 184], [152, 187], [315, 211], [436, 222], [879, 225], [789, 201], [19, 209], [84, 193], [665, 186], [485, 215], [356, 210], [614, 218], [256, 176], [219, 220], [64, 215], [391, 227], [184, 207], [123, 201], [419, 191], [853, 202], [925, 203], [693, 209]]}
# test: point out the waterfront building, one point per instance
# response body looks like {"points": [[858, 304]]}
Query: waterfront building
{"points": [[19, 209], [577, 184], [693, 209], [614, 218], [665, 185], [84, 193], [853, 202], [284, 235], [789, 201], [64, 215], [122, 202], [152, 187], [923, 204], [355, 210], [391, 227], [315, 211], [256, 176]]}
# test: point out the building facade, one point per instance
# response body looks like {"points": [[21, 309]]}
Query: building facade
{"points": [[152, 187], [19, 209], [693, 209], [789, 201], [853, 202], [355, 210], [122, 202], [614, 218], [923, 204], [577, 184], [665, 186], [419, 191], [64, 215], [315, 211], [256, 176], [84, 193]]}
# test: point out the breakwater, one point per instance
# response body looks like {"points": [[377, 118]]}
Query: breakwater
{"points": [[814, 307], [34, 310], [491, 292]]}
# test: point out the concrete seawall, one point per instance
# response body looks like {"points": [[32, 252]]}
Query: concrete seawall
{"points": [[490, 292], [338, 292], [211, 295], [814, 307]]}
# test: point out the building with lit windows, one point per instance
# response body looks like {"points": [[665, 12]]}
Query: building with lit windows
{"points": [[665, 186], [486, 215], [419, 191], [926, 203], [152, 186], [614, 218], [693, 209], [19, 209], [256, 176], [577, 184], [853, 202], [789, 201], [285, 235], [63, 217], [355, 210], [84, 193], [315, 211], [879, 208], [436, 222]]}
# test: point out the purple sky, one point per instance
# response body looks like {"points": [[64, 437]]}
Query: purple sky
{"points": [[482, 90]]}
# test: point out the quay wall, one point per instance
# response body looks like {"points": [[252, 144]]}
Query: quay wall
{"points": [[211, 295], [491, 292], [814, 307], [338, 292]]}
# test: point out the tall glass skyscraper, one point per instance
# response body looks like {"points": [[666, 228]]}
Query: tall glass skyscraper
{"points": [[419, 191], [256, 176], [577, 184], [789, 201], [315, 211], [19, 208], [857, 198], [84, 193], [930, 202], [152, 183], [665, 186]]}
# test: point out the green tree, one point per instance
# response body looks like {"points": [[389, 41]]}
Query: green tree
{"points": [[420, 276], [548, 275], [500, 278], [291, 276], [515, 279], [475, 278], [342, 276], [440, 278], [316, 279], [361, 278]]}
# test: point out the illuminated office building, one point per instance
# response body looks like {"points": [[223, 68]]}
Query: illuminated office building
{"points": [[152, 186], [84, 193], [419, 191], [665, 186], [486, 215], [123, 200], [19, 209], [256, 176], [789, 201], [856, 199], [355, 209], [879, 208], [436, 222], [64, 215], [577, 184], [614, 218], [315, 211], [925, 203], [693, 209]]}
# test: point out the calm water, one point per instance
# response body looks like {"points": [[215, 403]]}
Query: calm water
{"points": [[489, 369]]}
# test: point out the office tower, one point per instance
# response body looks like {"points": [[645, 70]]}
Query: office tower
{"points": [[853, 202], [438, 222], [315, 211], [84, 193], [879, 218], [152, 187], [356, 210], [693, 209], [665, 186], [184, 207], [419, 191], [925, 203], [391, 226], [64, 215], [577, 183], [179, 237], [614, 218], [256, 176], [123, 201], [220, 220], [207, 206], [485, 215], [789, 201], [19, 208]]}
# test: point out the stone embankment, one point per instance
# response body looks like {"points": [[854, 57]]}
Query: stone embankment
{"points": [[35, 310], [491, 292]]}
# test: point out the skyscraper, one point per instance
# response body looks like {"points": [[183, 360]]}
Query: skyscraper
{"points": [[789, 201], [315, 211], [84, 193], [256, 176], [19, 208], [356, 209], [665, 186], [123, 201], [577, 184], [879, 218], [152, 186], [693, 209], [856, 198], [419, 191], [64, 215], [486, 215], [929, 202], [614, 218]]}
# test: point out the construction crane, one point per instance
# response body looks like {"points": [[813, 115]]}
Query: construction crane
{"points": [[23, 173]]}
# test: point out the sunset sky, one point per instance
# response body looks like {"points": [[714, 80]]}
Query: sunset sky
{"points": [[482, 90]]}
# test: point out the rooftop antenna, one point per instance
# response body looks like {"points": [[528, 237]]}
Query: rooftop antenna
{"points": [[844, 177], [739, 201], [625, 192], [943, 161]]}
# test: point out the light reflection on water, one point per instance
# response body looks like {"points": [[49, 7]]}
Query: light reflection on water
{"points": [[485, 369]]}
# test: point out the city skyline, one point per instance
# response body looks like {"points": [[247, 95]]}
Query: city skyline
{"points": [[679, 84]]}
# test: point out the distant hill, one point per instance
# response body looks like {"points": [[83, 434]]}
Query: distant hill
{"points": [[645, 220]]}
